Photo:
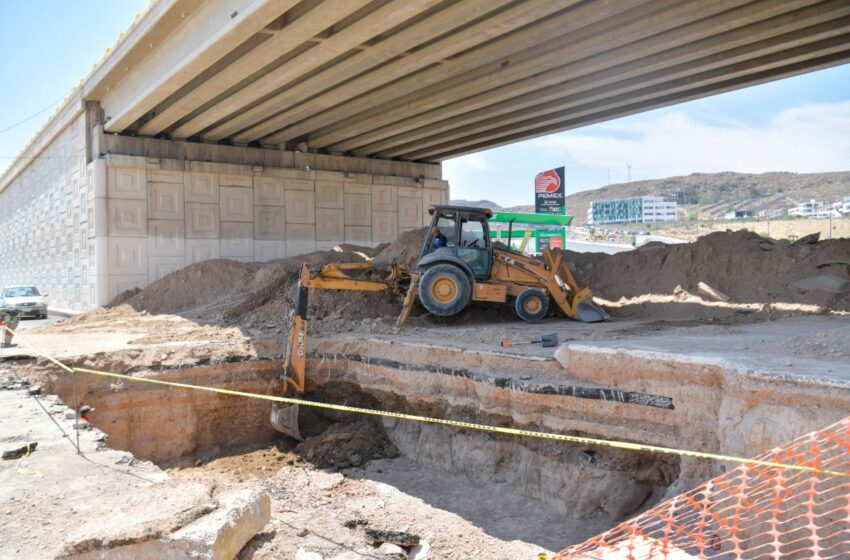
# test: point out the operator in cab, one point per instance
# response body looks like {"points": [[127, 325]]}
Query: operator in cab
{"points": [[438, 239]]}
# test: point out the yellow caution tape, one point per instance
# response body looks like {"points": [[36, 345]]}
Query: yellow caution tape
{"points": [[459, 424]]}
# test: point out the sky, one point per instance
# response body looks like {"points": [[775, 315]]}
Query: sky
{"points": [[799, 124]]}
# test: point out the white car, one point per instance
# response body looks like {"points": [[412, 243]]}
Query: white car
{"points": [[26, 300]]}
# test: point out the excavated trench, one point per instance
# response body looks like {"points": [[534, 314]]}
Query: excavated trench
{"points": [[597, 486]]}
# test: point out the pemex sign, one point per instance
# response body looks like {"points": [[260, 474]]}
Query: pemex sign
{"points": [[549, 192]]}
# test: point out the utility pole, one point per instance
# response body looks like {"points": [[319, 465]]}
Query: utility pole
{"points": [[629, 172], [609, 176]]}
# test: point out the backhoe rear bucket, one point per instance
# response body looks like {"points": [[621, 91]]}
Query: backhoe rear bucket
{"points": [[589, 312], [284, 419]]}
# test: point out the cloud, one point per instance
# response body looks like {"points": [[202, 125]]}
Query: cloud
{"points": [[807, 138]]}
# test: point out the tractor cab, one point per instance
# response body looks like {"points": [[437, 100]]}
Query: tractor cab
{"points": [[467, 236]]}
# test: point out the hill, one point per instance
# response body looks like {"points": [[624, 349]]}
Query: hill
{"points": [[712, 194]]}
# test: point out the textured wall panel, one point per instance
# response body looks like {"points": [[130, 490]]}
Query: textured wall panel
{"points": [[269, 250], [431, 196], [165, 201], [165, 176], [126, 182], [237, 240], [269, 223], [299, 184], [202, 221], [269, 191], [128, 255], [118, 284], [409, 212], [237, 204], [384, 226], [330, 194], [300, 239], [300, 207], [384, 197], [358, 209], [127, 218], [358, 235], [166, 238], [201, 187], [160, 267], [198, 250], [235, 180], [330, 224], [358, 188]]}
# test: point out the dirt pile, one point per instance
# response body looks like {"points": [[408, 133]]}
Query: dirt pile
{"points": [[349, 444], [745, 266]]}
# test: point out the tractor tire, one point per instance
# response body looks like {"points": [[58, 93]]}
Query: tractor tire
{"points": [[444, 290], [531, 305]]}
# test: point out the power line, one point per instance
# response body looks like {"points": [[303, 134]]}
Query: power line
{"points": [[29, 118]]}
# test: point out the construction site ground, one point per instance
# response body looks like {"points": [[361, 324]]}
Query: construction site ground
{"points": [[349, 476]]}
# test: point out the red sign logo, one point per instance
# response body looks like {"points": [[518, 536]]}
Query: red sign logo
{"points": [[547, 182]]}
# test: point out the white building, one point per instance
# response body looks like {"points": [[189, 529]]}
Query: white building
{"points": [[811, 209], [841, 208], [638, 209]]}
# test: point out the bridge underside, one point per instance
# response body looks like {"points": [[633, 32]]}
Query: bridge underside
{"points": [[426, 80]]}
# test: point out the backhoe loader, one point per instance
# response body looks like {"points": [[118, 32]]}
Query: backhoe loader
{"points": [[445, 280]]}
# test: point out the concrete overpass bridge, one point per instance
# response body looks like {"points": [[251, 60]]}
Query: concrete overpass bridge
{"points": [[425, 80], [262, 129]]}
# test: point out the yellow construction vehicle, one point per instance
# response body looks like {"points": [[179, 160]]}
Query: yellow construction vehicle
{"points": [[459, 266]]}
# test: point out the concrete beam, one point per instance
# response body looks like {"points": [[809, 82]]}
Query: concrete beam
{"points": [[454, 107], [217, 28], [389, 15], [476, 144], [288, 38], [435, 53], [397, 45], [606, 84]]}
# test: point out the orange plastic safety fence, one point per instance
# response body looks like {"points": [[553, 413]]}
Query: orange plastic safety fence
{"points": [[749, 513]]}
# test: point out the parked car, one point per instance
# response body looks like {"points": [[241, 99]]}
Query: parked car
{"points": [[26, 300]]}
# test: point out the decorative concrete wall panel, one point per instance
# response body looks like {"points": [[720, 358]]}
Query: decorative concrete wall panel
{"points": [[237, 204], [269, 191], [409, 212], [384, 226], [201, 187], [237, 240], [358, 235], [269, 223], [118, 284], [127, 218], [128, 255], [300, 239], [202, 221], [165, 176], [126, 182], [165, 201], [166, 238], [299, 184], [384, 197], [235, 180], [429, 197], [269, 250], [330, 224], [358, 209], [160, 267], [198, 250], [330, 194], [300, 207]]}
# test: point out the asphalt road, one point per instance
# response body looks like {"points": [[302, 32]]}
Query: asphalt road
{"points": [[34, 323]]}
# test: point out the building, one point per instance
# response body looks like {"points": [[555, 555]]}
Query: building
{"points": [[738, 215], [811, 209], [638, 210], [842, 208]]}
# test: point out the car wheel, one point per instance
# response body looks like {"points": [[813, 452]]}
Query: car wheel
{"points": [[444, 290], [532, 305]]}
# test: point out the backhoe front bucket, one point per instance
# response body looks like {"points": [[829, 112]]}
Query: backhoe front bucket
{"points": [[589, 312], [284, 419]]}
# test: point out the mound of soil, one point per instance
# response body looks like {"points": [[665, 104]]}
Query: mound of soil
{"points": [[744, 266], [349, 444]]}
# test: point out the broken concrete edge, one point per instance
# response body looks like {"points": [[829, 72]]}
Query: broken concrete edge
{"points": [[199, 529]]}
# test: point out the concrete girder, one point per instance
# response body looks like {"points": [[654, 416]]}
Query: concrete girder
{"points": [[547, 30], [626, 61], [614, 109], [435, 53], [420, 33], [283, 41], [615, 81], [219, 26], [389, 15]]}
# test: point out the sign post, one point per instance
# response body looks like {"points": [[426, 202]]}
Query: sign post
{"points": [[549, 192]]}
